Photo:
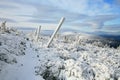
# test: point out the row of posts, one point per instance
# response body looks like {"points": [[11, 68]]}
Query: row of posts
{"points": [[37, 33]]}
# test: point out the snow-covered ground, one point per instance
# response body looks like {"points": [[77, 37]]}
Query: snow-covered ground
{"points": [[70, 57]]}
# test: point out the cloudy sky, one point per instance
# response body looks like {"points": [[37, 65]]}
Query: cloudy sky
{"points": [[82, 15]]}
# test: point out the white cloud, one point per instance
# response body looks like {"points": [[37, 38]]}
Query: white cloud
{"points": [[80, 12], [89, 7], [97, 22]]}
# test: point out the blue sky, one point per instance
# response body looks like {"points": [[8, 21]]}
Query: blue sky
{"points": [[83, 15]]}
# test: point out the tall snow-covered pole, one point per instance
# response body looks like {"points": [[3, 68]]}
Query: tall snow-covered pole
{"points": [[38, 32], [55, 32]]}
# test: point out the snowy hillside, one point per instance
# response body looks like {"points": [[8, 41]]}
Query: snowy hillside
{"points": [[70, 57]]}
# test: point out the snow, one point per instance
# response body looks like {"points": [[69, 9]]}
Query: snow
{"points": [[69, 57], [89, 36], [68, 33]]}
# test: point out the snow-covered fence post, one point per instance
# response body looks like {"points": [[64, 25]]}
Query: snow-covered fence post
{"points": [[38, 32], [58, 27]]}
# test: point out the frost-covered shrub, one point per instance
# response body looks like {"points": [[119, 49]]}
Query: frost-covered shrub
{"points": [[11, 45], [3, 27], [118, 48], [64, 54], [7, 58], [117, 74], [50, 70], [8, 30], [0, 43], [83, 59]]}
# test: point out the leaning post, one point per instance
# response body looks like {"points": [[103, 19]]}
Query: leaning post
{"points": [[55, 32]]}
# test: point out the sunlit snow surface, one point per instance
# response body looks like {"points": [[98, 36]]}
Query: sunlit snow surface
{"points": [[70, 57]]}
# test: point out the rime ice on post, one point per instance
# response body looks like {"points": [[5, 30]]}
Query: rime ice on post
{"points": [[58, 27], [38, 32]]}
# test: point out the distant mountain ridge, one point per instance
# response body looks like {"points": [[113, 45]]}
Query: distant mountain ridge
{"points": [[96, 33]]}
